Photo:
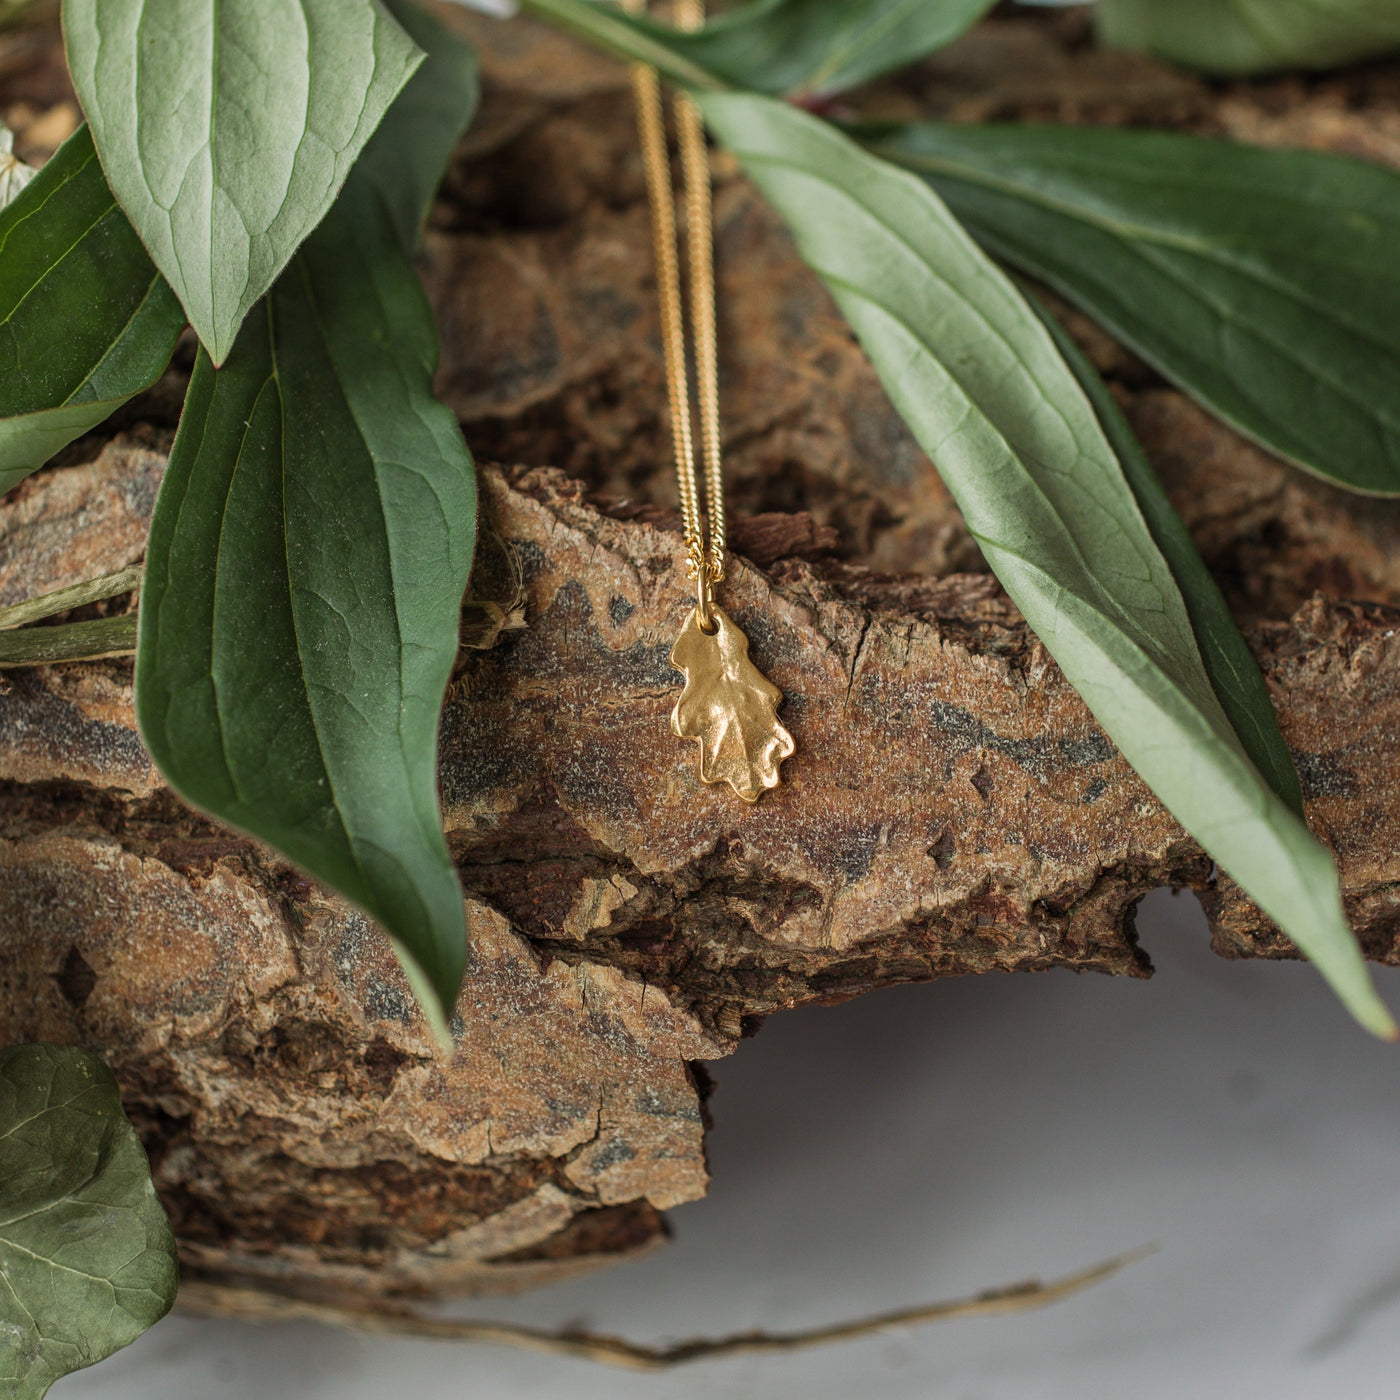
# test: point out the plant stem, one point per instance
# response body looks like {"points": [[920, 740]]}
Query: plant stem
{"points": [[76, 595], [626, 38], [69, 641]]}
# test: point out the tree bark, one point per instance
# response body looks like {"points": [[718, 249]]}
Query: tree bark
{"points": [[952, 806]]}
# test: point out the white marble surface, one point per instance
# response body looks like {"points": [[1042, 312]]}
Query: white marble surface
{"points": [[931, 1141]]}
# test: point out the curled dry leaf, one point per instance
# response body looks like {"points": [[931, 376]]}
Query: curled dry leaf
{"points": [[496, 603], [729, 707]]}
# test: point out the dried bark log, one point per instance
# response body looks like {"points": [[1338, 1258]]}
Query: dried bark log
{"points": [[952, 806]]}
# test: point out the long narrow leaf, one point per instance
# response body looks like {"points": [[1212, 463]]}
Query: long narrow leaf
{"points": [[226, 131], [1252, 36], [800, 47], [428, 117], [307, 560], [85, 319], [980, 383], [1233, 671], [820, 46], [1265, 283]]}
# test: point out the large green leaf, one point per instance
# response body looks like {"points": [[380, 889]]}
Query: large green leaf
{"points": [[978, 379], [87, 1258], [1252, 36], [1265, 283], [1234, 673], [225, 130], [85, 319], [308, 556]]}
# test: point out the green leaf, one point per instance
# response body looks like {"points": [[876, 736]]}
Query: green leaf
{"points": [[1264, 283], [429, 115], [625, 35], [1234, 673], [805, 47], [87, 1258], [226, 130], [978, 379], [307, 560], [824, 46], [1252, 36], [85, 319], [818, 46]]}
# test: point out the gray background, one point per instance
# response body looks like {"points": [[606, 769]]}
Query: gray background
{"points": [[928, 1142]]}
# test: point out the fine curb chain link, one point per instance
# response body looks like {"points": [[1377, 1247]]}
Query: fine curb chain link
{"points": [[706, 557], [700, 240]]}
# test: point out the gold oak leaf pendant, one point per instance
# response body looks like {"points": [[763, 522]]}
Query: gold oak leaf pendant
{"points": [[729, 707]]}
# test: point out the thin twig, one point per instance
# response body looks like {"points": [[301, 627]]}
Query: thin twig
{"points": [[251, 1305], [76, 595]]}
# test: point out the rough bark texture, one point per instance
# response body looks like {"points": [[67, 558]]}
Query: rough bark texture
{"points": [[952, 806]]}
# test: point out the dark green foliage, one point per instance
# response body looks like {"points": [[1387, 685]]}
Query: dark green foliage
{"points": [[85, 319], [1252, 36], [1265, 283], [308, 556]]}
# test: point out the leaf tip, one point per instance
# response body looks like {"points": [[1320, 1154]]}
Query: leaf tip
{"points": [[218, 352], [434, 1007], [1373, 1015], [436, 995]]}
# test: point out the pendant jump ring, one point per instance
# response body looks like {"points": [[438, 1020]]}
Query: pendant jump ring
{"points": [[704, 592]]}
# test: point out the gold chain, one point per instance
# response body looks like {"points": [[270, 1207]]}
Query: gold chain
{"points": [[728, 706], [706, 557]]}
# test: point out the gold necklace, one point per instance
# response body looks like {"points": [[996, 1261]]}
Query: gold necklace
{"points": [[728, 706]]}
